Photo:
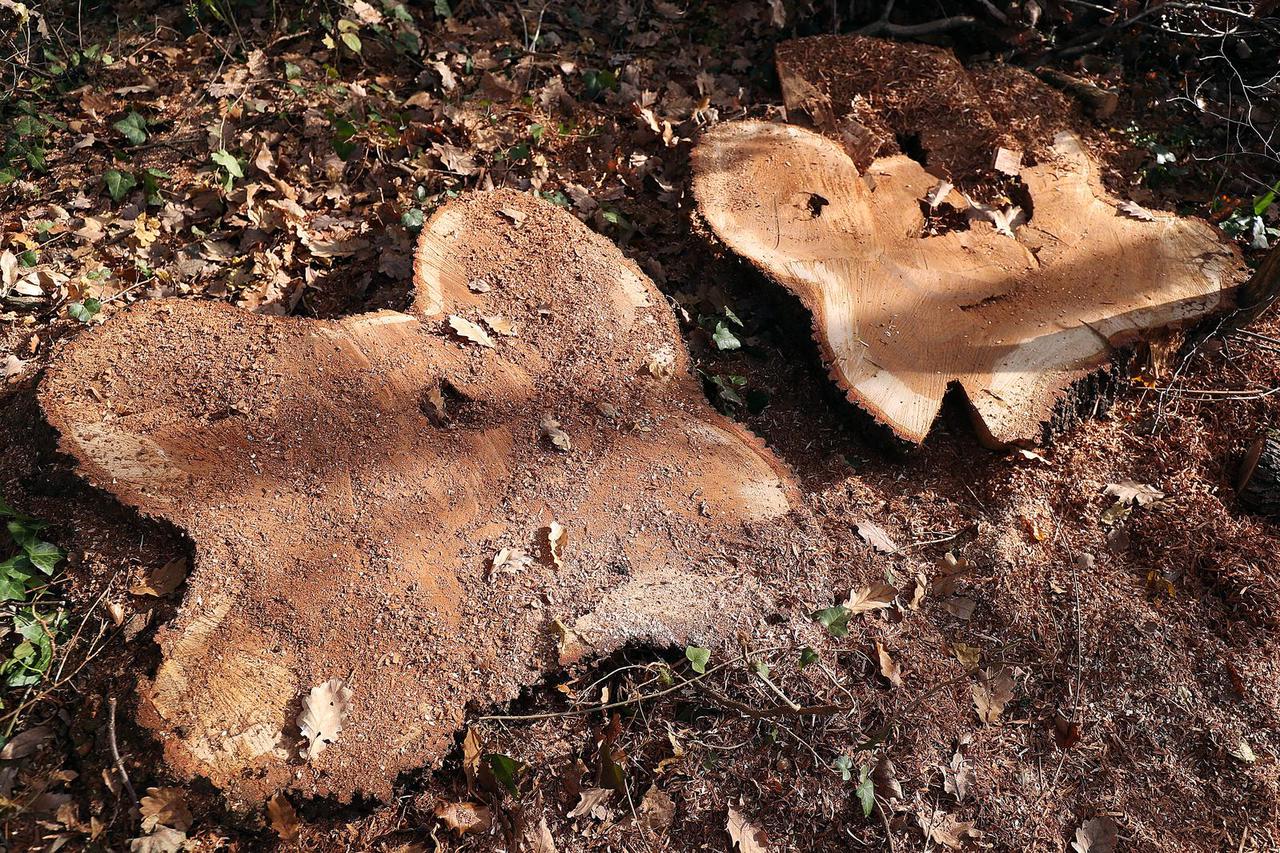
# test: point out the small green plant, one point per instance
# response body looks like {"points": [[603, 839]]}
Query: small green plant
{"points": [[229, 167], [25, 579], [834, 619], [866, 790], [133, 127], [698, 658], [1248, 221], [85, 310]]}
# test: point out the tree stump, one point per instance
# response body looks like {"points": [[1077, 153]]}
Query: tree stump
{"points": [[435, 507], [1014, 304], [1258, 484]]}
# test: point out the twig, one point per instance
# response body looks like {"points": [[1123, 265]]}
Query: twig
{"points": [[776, 711], [115, 752], [883, 27]]}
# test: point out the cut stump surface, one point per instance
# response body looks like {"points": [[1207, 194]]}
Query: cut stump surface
{"points": [[899, 316], [347, 483]]}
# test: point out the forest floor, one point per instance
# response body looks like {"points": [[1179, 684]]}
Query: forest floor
{"points": [[284, 158]]}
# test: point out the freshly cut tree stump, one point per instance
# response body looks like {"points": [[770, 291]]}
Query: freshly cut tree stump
{"points": [[348, 486], [1015, 317], [1259, 482]]}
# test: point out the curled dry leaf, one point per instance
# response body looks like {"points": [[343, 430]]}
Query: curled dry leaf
{"points": [[957, 776], [283, 817], [465, 818], [875, 597], [889, 668], [468, 330], [165, 806], [322, 713], [552, 539], [922, 587], [162, 581], [1136, 211], [747, 837], [1098, 835], [591, 802], [662, 364], [992, 694], [874, 535], [952, 569], [1128, 492], [558, 438]]}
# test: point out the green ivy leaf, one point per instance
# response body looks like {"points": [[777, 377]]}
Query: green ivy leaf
{"points": [[844, 766], [352, 41], [808, 657], [698, 658], [834, 619], [866, 791], [224, 158], [85, 311], [29, 258], [725, 339], [442, 9], [412, 219], [15, 575], [44, 556], [119, 183], [505, 770], [133, 127]]}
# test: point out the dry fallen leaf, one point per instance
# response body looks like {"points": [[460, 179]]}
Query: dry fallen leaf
{"points": [[1098, 835], [947, 830], [162, 581], [552, 541], [960, 607], [992, 694], [875, 597], [537, 839], [464, 818], [471, 750], [968, 655], [500, 325], [559, 438], [657, 809], [742, 833], [592, 802], [1137, 211], [922, 586], [163, 840], [284, 818], [12, 366], [884, 780], [957, 776], [322, 713], [952, 570], [889, 668], [1009, 162], [517, 217], [167, 806], [468, 330], [1130, 492], [874, 535]]}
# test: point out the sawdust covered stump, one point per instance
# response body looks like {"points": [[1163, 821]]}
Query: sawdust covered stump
{"points": [[1258, 484], [1015, 305], [432, 507]]}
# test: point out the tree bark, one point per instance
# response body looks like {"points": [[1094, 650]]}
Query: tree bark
{"points": [[1259, 482]]}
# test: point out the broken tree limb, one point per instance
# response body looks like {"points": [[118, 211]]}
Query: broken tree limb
{"points": [[1100, 102], [347, 484], [1258, 483], [1014, 315]]}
